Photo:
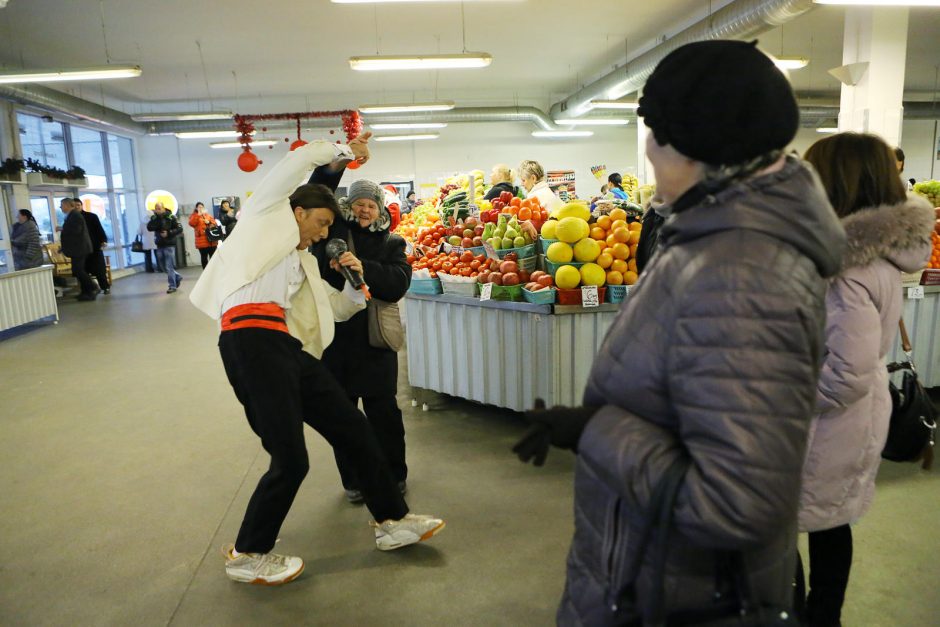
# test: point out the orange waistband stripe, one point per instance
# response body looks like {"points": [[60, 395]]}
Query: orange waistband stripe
{"points": [[255, 316]]}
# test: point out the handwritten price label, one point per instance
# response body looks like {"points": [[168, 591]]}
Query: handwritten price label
{"points": [[589, 296], [486, 291]]}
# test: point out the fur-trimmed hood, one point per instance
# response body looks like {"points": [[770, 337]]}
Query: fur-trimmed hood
{"points": [[898, 233]]}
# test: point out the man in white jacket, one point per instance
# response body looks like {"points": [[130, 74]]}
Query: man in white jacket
{"points": [[277, 317]]}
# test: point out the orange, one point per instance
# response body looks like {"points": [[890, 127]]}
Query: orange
{"points": [[630, 278], [614, 278], [604, 260], [603, 244], [611, 240], [634, 237], [618, 224], [619, 265], [622, 235], [604, 222], [620, 251], [598, 233], [618, 214], [635, 226], [631, 265], [633, 250]]}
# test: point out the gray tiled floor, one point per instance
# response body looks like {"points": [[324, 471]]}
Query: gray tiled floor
{"points": [[125, 462]]}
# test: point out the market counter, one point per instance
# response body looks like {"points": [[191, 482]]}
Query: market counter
{"points": [[502, 353]]}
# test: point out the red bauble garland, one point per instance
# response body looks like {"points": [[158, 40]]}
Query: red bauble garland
{"points": [[244, 124], [248, 161]]}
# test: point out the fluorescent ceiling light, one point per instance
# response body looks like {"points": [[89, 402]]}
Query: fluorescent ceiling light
{"points": [[421, 62], [207, 134], [791, 63], [613, 104], [593, 121], [883, 3], [86, 74], [256, 142], [444, 105], [401, 138], [562, 133], [179, 117], [827, 129], [388, 127]]}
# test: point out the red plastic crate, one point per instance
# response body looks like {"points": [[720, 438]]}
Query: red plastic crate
{"points": [[573, 297]]}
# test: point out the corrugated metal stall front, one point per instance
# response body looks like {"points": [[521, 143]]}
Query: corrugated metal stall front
{"points": [[922, 319], [27, 296]]}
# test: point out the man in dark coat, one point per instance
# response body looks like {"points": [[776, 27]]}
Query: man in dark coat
{"points": [[76, 245], [366, 372], [166, 229], [94, 263]]}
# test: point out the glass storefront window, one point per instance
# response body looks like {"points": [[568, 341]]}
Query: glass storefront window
{"points": [[39, 205], [121, 154], [129, 212], [88, 152], [98, 204], [42, 140]]}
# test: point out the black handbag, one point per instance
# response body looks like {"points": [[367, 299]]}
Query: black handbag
{"points": [[739, 608], [214, 233], [137, 246], [913, 415]]}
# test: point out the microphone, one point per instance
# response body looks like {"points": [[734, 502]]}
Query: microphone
{"points": [[334, 250]]}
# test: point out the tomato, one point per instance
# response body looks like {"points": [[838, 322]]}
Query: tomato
{"points": [[446, 266], [410, 259], [465, 271], [466, 257], [426, 242], [475, 264], [433, 274], [516, 202], [431, 254], [454, 272], [544, 215]]}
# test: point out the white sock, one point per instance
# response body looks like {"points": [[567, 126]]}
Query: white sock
{"points": [[235, 552]]}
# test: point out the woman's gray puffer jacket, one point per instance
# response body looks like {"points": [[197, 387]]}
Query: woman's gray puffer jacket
{"points": [[714, 356], [864, 306]]}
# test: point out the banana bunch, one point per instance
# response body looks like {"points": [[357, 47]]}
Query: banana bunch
{"points": [[631, 185]]}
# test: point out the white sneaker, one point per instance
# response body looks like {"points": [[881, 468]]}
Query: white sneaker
{"points": [[266, 569], [413, 528]]}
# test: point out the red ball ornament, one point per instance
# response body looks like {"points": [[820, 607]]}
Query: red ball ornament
{"points": [[286, 139], [297, 144], [353, 165], [264, 129], [248, 161], [332, 132]]}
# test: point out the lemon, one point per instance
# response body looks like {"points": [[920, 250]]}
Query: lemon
{"points": [[548, 229], [567, 277], [587, 250], [592, 274], [571, 229], [559, 252]]}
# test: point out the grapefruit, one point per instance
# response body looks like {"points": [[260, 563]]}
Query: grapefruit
{"points": [[559, 252], [567, 277], [573, 210], [572, 229], [586, 250], [593, 274], [548, 229]]}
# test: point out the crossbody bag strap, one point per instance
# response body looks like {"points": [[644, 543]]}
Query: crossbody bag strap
{"points": [[905, 339]]}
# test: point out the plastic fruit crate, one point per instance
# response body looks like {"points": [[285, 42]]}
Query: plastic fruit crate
{"points": [[459, 288], [616, 293], [522, 252], [545, 243], [573, 297], [507, 292], [541, 297], [552, 267], [428, 287]]}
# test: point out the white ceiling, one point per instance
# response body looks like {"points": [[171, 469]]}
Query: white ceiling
{"points": [[543, 49]]}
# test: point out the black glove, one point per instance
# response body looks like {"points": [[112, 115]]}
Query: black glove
{"points": [[558, 426]]}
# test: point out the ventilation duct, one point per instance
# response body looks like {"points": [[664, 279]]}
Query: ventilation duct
{"points": [[58, 102], [739, 20]]}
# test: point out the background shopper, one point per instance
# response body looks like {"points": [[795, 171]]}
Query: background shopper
{"points": [[94, 262], [410, 202], [366, 372], [888, 233], [532, 175], [724, 334], [615, 186], [227, 217], [26, 241], [76, 245], [501, 181], [166, 228], [201, 220], [147, 241]]}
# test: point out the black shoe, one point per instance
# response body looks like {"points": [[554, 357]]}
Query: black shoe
{"points": [[355, 497], [170, 290], [107, 291], [403, 487], [86, 297]]}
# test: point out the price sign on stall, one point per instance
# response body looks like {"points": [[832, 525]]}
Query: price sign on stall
{"points": [[486, 291], [589, 296], [490, 251]]}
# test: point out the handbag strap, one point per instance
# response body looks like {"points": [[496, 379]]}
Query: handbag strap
{"points": [[350, 243], [905, 339]]}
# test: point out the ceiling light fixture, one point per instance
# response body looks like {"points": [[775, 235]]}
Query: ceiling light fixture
{"points": [[401, 138], [464, 60], [562, 133], [207, 134], [388, 127], [180, 117], [613, 104], [593, 121], [882, 3], [791, 63], [827, 129], [255, 142], [444, 105], [86, 74]]}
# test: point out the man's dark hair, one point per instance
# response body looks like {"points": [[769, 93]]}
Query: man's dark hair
{"points": [[410, 194], [76, 200], [314, 196], [899, 154]]}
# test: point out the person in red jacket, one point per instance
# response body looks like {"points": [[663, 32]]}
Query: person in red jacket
{"points": [[393, 204], [202, 221]]}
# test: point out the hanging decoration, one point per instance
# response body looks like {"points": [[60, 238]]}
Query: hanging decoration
{"points": [[245, 125]]}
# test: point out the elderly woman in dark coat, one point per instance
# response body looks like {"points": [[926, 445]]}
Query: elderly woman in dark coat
{"points": [[711, 365], [26, 241], [366, 372]]}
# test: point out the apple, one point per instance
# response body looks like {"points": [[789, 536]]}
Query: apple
{"points": [[511, 279], [478, 230], [494, 265], [524, 276], [466, 242], [477, 241], [496, 278], [484, 277], [453, 240], [505, 197], [508, 266], [532, 286], [545, 280], [468, 233], [470, 223]]}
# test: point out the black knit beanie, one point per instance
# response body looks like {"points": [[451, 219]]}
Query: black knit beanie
{"points": [[720, 102]]}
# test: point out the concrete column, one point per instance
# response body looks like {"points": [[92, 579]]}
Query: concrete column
{"points": [[876, 36], [644, 171]]}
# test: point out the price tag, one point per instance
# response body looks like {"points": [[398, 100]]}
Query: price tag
{"points": [[589, 296], [486, 291], [915, 293], [490, 251]]}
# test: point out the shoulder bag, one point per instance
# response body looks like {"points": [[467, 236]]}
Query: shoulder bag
{"points": [[913, 415], [385, 329], [137, 246], [214, 233]]}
